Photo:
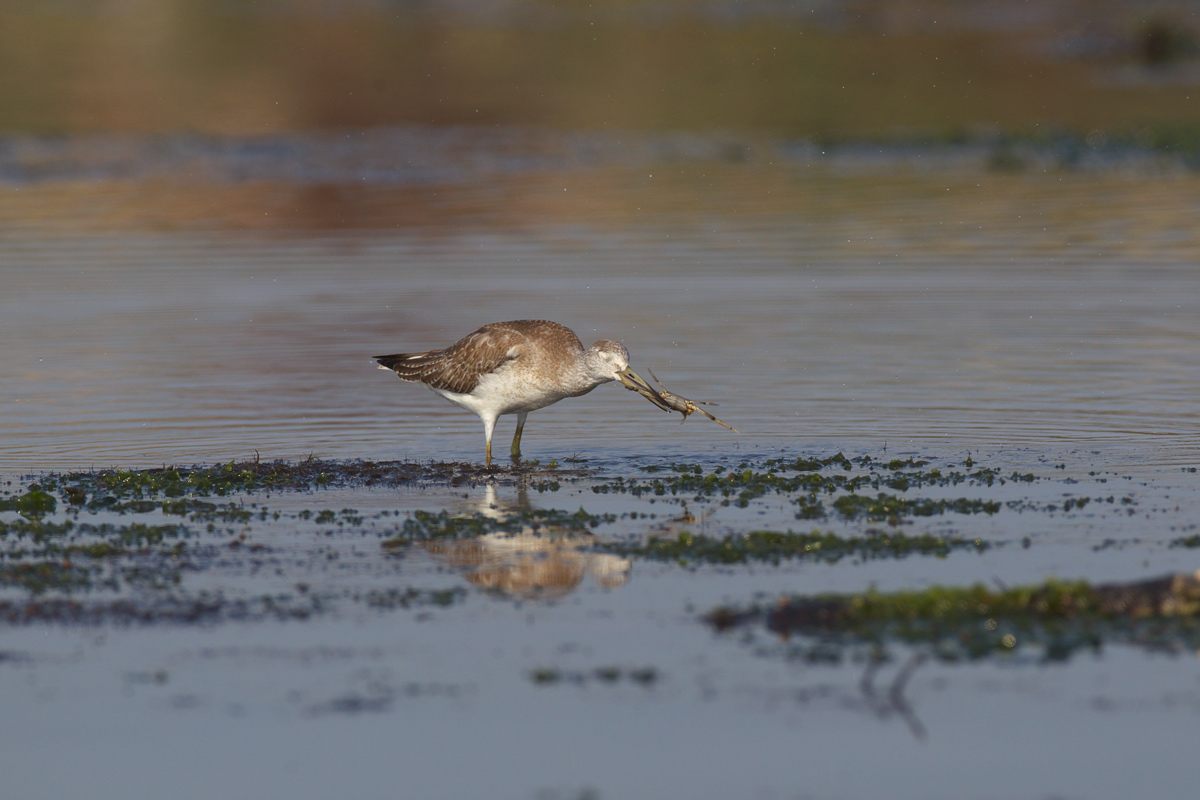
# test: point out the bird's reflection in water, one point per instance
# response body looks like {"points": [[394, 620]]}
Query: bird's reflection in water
{"points": [[544, 563]]}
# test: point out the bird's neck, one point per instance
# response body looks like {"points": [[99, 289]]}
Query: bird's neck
{"points": [[586, 374]]}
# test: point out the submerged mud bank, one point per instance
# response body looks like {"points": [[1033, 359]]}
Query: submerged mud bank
{"points": [[1055, 619]]}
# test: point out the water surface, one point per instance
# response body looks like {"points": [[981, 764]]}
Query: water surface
{"points": [[143, 348], [1040, 322]]}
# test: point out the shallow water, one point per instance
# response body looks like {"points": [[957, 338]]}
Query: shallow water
{"points": [[150, 349], [1046, 324]]}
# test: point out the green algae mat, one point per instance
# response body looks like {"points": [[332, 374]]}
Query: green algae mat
{"points": [[115, 546]]}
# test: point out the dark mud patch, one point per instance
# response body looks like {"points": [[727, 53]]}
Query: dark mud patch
{"points": [[380, 695], [645, 677]]}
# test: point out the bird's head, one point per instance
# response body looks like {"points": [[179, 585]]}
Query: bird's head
{"points": [[607, 360]]}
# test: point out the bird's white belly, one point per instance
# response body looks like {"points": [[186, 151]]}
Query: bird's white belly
{"points": [[504, 393]]}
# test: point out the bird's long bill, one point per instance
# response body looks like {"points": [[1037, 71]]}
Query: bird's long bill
{"points": [[636, 383]]}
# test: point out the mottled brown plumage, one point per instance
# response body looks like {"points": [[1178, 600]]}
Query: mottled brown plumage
{"points": [[459, 367]]}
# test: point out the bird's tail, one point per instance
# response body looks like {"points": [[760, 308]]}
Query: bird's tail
{"points": [[409, 366]]}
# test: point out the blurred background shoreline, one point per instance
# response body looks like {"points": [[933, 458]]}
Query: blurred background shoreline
{"points": [[882, 70], [368, 114]]}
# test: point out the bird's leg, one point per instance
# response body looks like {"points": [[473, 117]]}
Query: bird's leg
{"points": [[489, 424], [515, 451]]}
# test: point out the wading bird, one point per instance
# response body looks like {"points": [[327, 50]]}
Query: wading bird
{"points": [[517, 367]]}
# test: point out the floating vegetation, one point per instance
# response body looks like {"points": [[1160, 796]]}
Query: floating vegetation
{"points": [[840, 480], [889, 506], [35, 503], [62, 569], [950, 624], [819, 488], [773, 547], [108, 490]]}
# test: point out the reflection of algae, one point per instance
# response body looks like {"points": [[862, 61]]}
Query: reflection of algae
{"points": [[976, 622]]}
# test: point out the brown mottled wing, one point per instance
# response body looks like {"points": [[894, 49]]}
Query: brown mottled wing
{"points": [[459, 367]]}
